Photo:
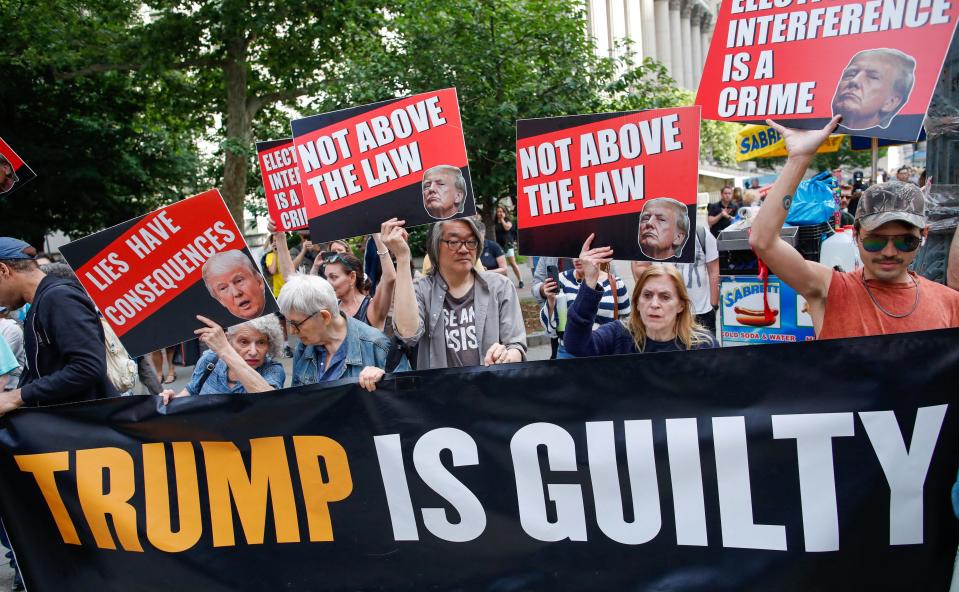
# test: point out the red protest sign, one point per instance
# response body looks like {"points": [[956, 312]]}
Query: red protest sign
{"points": [[151, 276], [631, 178], [14, 173], [281, 181], [401, 158], [876, 63]]}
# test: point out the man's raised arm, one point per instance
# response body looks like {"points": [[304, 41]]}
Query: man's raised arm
{"points": [[805, 277]]}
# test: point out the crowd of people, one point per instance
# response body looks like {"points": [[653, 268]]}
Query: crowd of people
{"points": [[363, 318]]}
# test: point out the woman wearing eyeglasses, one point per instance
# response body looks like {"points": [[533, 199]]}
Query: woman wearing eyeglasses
{"points": [[457, 315], [345, 273], [332, 344]]}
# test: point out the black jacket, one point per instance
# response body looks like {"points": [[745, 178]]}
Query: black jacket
{"points": [[64, 347]]}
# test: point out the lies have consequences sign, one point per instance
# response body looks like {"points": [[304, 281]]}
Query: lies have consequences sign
{"points": [[631, 178], [876, 63], [151, 276], [403, 158]]}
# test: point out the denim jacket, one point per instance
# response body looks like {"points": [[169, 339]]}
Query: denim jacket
{"points": [[365, 346]]}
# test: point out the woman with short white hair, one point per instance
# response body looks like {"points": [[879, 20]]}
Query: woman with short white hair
{"points": [[240, 360], [332, 344]]}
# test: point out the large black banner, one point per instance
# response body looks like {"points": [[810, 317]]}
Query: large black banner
{"points": [[814, 466]]}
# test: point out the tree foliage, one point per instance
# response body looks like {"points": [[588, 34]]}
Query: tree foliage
{"points": [[223, 73], [101, 153], [508, 61]]}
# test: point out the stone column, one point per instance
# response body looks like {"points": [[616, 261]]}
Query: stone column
{"points": [[663, 47], [647, 18], [707, 33], [685, 13], [634, 32], [676, 43], [697, 40]]}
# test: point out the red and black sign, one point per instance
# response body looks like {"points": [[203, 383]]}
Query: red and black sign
{"points": [[402, 158], [14, 173], [281, 182], [151, 276], [820, 466], [631, 178], [875, 63]]}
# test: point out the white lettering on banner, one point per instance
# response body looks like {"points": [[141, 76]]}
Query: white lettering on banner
{"points": [[541, 160], [813, 433], [768, 99], [686, 478], [389, 455], [278, 159], [604, 477], [567, 498], [152, 235], [905, 469], [554, 512], [830, 21], [596, 148], [294, 218], [283, 179], [735, 494], [426, 459], [381, 130], [166, 276], [323, 150]]}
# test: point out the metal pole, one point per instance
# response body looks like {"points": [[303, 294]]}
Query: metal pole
{"points": [[875, 160]]}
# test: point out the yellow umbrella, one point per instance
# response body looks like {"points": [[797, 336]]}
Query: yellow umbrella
{"points": [[762, 141]]}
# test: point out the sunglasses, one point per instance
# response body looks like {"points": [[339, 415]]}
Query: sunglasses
{"points": [[332, 257], [295, 325], [904, 243]]}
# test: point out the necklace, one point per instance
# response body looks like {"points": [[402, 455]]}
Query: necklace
{"points": [[886, 312]]}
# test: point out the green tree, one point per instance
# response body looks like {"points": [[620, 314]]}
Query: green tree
{"points": [[845, 158], [508, 60], [101, 154], [226, 62]]}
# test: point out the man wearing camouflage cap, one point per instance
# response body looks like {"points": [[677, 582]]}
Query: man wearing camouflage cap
{"points": [[890, 225]]}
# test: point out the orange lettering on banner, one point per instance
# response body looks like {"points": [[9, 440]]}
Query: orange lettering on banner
{"points": [[317, 493], [254, 482], [43, 467], [156, 490], [98, 501], [227, 479]]}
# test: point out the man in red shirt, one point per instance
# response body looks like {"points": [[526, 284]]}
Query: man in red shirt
{"points": [[890, 225]]}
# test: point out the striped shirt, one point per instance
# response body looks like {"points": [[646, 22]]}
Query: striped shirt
{"points": [[569, 287]]}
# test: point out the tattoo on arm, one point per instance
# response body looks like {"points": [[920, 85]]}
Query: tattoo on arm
{"points": [[787, 202]]}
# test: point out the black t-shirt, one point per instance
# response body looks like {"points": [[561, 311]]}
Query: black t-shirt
{"points": [[721, 224], [504, 238], [491, 251]]}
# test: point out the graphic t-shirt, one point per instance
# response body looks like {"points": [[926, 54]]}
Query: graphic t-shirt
{"points": [[459, 323]]}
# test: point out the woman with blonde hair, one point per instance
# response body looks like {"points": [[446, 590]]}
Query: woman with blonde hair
{"points": [[662, 316]]}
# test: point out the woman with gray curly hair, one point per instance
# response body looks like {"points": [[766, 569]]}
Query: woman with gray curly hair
{"points": [[240, 360]]}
